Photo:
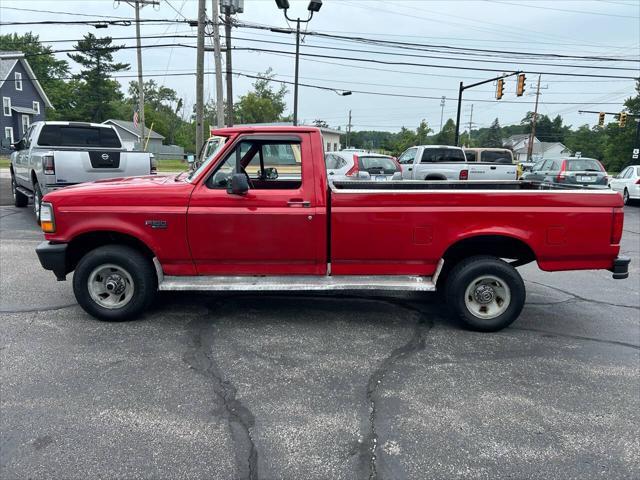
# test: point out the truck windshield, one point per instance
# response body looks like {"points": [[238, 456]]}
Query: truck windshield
{"points": [[207, 160], [78, 136], [442, 155]]}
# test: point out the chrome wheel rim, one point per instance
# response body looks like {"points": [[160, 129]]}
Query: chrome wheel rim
{"points": [[13, 187], [487, 297], [110, 286]]}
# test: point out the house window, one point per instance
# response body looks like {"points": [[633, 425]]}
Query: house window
{"points": [[328, 147], [335, 147], [8, 134], [25, 123], [18, 81], [36, 107], [6, 106]]}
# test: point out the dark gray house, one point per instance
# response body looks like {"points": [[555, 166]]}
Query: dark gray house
{"points": [[23, 99]]}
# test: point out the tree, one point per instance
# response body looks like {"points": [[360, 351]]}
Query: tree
{"points": [[422, 132], [48, 70], [591, 142], [98, 91], [447, 135], [263, 104], [494, 135], [622, 140]]}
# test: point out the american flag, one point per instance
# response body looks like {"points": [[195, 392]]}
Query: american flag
{"points": [[135, 119]]}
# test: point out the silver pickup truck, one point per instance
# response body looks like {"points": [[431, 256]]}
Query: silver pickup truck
{"points": [[53, 155], [442, 162]]}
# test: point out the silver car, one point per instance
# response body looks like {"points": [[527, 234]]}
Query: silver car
{"points": [[347, 165], [627, 182]]}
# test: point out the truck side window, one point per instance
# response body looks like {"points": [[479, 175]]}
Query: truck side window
{"points": [[471, 155], [495, 157], [269, 165], [408, 157]]}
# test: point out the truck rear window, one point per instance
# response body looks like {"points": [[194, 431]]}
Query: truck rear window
{"points": [[78, 136], [442, 155], [497, 157], [377, 164]]}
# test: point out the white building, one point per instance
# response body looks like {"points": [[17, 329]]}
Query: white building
{"points": [[541, 150], [331, 137]]}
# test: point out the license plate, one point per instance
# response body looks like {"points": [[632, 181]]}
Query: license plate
{"points": [[587, 179], [380, 178]]}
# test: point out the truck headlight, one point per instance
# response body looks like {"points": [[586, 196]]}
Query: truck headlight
{"points": [[47, 220]]}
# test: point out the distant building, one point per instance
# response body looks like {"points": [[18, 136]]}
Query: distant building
{"points": [[331, 137], [130, 136], [23, 98], [541, 150]]}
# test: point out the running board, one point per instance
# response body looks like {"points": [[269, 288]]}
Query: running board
{"points": [[300, 283], [25, 192]]}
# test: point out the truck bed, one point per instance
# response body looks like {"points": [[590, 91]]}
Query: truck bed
{"points": [[340, 185]]}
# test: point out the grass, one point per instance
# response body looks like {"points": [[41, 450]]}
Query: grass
{"points": [[172, 165], [4, 162]]}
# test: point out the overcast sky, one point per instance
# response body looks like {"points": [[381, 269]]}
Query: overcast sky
{"points": [[608, 28]]}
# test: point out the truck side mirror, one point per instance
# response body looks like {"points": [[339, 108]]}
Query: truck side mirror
{"points": [[239, 184], [19, 145]]}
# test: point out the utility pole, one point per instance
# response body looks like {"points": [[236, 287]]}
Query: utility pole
{"points": [[470, 123], [349, 129], [532, 135], [217, 57], [442, 101], [137, 5], [227, 31], [200, 78]]}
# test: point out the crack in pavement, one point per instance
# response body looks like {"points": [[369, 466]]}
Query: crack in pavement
{"points": [[369, 459], [579, 337], [578, 297], [239, 417]]}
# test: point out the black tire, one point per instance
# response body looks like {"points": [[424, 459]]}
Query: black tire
{"points": [[497, 274], [19, 199], [37, 201], [141, 275], [625, 196]]}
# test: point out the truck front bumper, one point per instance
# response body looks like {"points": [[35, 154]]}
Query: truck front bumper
{"points": [[53, 256], [620, 268]]}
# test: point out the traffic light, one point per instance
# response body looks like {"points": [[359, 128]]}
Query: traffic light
{"points": [[521, 84], [500, 89], [601, 119], [623, 119]]}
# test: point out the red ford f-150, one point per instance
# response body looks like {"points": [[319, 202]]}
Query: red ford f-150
{"points": [[260, 214]]}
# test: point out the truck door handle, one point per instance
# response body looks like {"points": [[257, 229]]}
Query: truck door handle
{"points": [[410, 168], [299, 203], [493, 168]]}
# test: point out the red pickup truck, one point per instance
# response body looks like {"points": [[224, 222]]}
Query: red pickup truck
{"points": [[261, 215]]}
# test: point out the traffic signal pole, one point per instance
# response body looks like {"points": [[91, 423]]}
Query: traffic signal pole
{"points": [[466, 87]]}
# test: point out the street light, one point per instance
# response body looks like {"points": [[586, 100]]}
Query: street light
{"points": [[314, 6]]}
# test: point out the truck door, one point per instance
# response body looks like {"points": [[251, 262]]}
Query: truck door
{"points": [[406, 161], [277, 228], [22, 170]]}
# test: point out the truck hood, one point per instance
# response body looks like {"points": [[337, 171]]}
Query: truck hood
{"points": [[144, 190]]}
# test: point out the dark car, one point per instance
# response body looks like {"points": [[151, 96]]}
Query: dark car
{"points": [[569, 171]]}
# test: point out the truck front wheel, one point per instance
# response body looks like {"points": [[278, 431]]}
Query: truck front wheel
{"points": [[485, 293], [114, 283]]}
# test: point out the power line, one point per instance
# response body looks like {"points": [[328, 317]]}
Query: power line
{"points": [[564, 10]]}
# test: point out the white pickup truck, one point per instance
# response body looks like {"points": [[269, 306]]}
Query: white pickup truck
{"points": [[442, 162], [53, 155]]}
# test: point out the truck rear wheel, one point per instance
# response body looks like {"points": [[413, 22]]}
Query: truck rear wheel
{"points": [[37, 201], [485, 293], [114, 283], [19, 198]]}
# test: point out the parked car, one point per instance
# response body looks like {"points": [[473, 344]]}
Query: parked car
{"points": [[627, 183], [221, 228], [362, 166], [442, 162], [53, 155], [569, 171]]}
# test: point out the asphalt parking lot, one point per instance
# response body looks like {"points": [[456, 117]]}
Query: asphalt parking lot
{"points": [[312, 386]]}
